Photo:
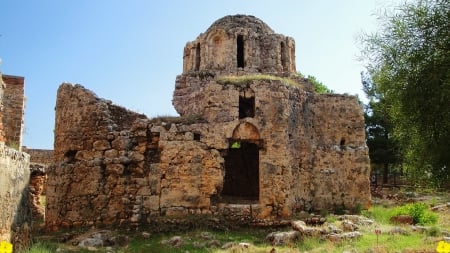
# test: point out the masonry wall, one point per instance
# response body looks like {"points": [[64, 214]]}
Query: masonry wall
{"points": [[39, 156], [40, 160], [127, 176], [334, 166], [135, 173], [15, 215], [2, 125], [13, 112]]}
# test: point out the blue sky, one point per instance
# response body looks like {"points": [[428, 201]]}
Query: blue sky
{"points": [[131, 51]]}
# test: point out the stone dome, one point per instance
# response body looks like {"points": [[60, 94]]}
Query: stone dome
{"points": [[240, 44], [232, 22]]}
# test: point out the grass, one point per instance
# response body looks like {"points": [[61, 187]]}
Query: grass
{"points": [[380, 214], [394, 242], [211, 241], [245, 80], [43, 247]]}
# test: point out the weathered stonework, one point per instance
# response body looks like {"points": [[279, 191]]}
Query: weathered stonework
{"points": [[240, 44], [40, 159], [246, 146], [13, 110], [15, 214]]}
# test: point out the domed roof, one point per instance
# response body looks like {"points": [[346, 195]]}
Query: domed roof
{"points": [[231, 22]]}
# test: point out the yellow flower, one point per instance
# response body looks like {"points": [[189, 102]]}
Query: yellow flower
{"points": [[443, 247], [6, 247]]}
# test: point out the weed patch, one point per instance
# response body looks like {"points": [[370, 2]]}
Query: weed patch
{"points": [[244, 81]]}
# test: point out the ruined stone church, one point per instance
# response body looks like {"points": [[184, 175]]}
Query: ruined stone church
{"points": [[253, 141]]}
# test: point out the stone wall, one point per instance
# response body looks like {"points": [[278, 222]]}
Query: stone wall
{"points": [[2, 125], [335, 165], [37, 188], [156, 168], [15, 217], [13, 112], [40, 160], [39, 156]]}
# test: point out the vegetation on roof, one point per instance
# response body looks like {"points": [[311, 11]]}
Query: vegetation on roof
{"points": [[245, 80], [185, 119]]}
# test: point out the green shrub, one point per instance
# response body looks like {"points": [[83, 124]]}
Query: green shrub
{"points": [[419, 212]]}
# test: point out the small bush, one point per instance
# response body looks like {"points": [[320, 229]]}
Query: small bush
{"points": [[434, 231], [419, 212]]}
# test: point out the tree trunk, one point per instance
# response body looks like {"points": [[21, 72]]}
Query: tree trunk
{"points": [[385, 173]]}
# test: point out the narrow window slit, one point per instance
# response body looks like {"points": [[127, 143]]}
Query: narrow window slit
{"points": [[240, 51]]}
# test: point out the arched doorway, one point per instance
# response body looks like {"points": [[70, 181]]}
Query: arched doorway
{"points": [[241, 182]]}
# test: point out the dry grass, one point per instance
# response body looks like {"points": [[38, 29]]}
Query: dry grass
{"points": [[245, 80], [187, 119]]}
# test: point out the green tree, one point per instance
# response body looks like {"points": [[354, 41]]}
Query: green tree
{"points": [[383, 148], [319, 87], [409, 62]]}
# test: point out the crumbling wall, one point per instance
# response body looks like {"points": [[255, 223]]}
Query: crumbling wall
{"points": [[2, 125], [13, 110], [152, 169], [334, 168], [341, 155], [39, 156], [40, 160], [37, 187], [15, 215]]}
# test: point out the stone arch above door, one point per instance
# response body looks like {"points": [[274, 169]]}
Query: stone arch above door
{"points": [[246, 131]]}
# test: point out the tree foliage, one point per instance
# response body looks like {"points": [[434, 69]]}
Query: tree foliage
{"points": [[409, 62], [319, 87], [383, 148]]}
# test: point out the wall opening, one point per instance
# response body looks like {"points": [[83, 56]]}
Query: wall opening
{"points": [[246, 103], [240, 51], [283, 55], [153, 152], [197, 57], [69, 156], [246, 107], [241, 182]]}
